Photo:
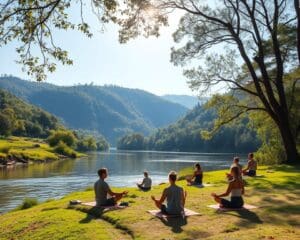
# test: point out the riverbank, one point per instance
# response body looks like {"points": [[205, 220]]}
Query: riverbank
{"points": [[21, 150], [276, 192]]}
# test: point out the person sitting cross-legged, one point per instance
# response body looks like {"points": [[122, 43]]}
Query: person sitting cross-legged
{"points": [[103, 191], [251, 168], [174, 195], [197, 177], [235, 189], [146, 183]]}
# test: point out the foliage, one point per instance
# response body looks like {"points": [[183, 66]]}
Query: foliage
{"points": [[184, 135], [62, 136], [110, 110], [133, 141], [32, 24], [278, 216], [21, 119], [261, 46], [63, 149], [27, 203]]}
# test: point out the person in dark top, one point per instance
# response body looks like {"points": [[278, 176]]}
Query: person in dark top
{"points": [[235, 189], [104, 195], [174, 195], [251, 168], [196, 179], [146, 183]]}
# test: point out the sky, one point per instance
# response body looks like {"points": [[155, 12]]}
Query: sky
{"points": [[141, 63]]}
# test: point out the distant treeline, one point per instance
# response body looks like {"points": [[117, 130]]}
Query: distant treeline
{"points": [[185, 135]]}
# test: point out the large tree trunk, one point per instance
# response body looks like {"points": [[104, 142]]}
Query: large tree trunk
{"points": [[292, 156], [297, 9]]}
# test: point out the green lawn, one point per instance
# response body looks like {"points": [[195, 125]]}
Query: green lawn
{"points": [[29, 148], [277, 192]]}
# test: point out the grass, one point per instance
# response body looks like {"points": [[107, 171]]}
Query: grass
{"points": [[277, 193], [36, 150]]}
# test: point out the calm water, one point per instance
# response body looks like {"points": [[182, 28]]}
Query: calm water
{"points": [[54, 180]]}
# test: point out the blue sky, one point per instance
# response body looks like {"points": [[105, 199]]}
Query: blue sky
{"points": [[141, 63]]}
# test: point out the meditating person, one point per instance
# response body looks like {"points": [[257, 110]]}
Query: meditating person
{"points": [[174, 195], [235, 164], [235, 189], [196, 179], [104, 195], [250, 170], [146, 183]]}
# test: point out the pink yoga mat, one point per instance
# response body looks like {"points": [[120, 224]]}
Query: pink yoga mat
{"points": [[245, 207], [159, 214]]}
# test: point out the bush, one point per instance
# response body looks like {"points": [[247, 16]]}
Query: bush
{"points": [[5, 149], [65, 136], [87, 143], [27, 203], [65, 150]]}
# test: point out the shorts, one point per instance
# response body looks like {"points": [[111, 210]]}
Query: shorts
{"points": [[164, 210], [144, 188], [251, 173], [235, 202], [109, 202]]}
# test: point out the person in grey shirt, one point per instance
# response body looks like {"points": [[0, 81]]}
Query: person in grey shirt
{"points": [[174, 195], [104, 195], [146, 183]]}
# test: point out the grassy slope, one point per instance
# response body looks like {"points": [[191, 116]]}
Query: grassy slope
{"points": [[20, 146], [278, 194]]}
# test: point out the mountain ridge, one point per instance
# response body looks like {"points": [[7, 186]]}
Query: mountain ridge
{"points": [[110, 110]]}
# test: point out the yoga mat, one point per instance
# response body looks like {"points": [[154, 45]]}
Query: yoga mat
{"points": [[93, 204], [159, 214], [245, 207]]}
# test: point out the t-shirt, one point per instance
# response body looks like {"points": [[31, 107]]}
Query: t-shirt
{"points": [[252, 164], [174, 195], [147, 182], [237, 165], [101, 189]]}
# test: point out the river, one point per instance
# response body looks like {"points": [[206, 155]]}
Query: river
{"points": [[56, 179]]}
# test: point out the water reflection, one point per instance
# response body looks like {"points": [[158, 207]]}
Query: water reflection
{"points": [[54, 180]]}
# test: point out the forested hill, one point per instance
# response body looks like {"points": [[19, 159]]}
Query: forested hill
{"points": [[185, 100], [184, 135], [22, 119], [110, 110]]}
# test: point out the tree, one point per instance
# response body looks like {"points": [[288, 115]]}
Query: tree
{"points": [[258, 52], [32, 24], [5, 125]]}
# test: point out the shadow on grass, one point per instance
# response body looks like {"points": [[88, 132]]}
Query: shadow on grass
{"points": [[175, 223], [97, 213], [248, 218], [91, 214]]}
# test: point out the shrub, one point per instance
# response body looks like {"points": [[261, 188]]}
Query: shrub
{"points": [[65, 150], [27, 203], [65, 136]]}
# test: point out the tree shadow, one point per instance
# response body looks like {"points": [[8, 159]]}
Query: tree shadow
{"points": [[175, 223]]}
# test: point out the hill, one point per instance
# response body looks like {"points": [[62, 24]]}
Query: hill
{"points": [[185, 100], [184, 135], [110, 110], [22, 119]]}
